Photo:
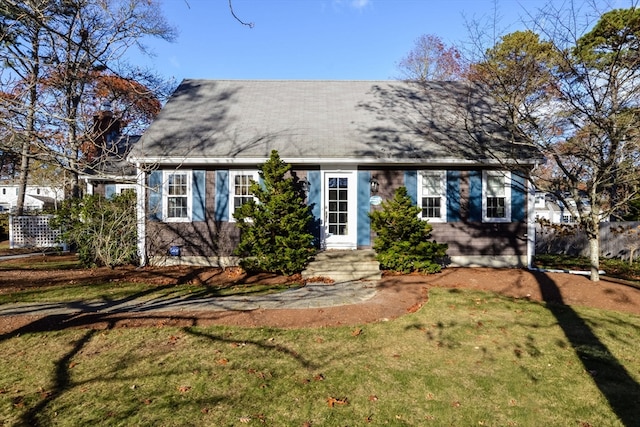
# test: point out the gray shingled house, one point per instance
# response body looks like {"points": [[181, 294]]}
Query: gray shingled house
{"points": [[353, 143]]}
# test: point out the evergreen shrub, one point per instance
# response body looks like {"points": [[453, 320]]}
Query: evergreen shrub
{"points": [[275, 227], [402, 243]]}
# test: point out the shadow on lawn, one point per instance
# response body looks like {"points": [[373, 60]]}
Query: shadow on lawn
{"points": [[61, 377], [609, 375]]}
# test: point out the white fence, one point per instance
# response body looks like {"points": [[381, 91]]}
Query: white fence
{"points": [[32, 231]]}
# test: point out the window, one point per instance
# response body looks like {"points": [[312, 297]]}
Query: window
{"points": [[496, 201], [123, 188], [239, 184], [177, 196], [432, 195]]}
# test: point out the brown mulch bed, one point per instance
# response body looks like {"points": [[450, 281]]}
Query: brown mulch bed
{"points": [[397, 295]]}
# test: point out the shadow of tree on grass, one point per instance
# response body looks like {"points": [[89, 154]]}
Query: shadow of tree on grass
{"points": [[615, 383]]}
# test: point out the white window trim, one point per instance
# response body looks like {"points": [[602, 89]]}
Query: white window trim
{"points": [[232, 181], [507, 195], [121, 187], [443, 194], [165, 195]]}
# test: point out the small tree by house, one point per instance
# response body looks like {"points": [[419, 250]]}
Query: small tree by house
{"points": [[102, 231], [275, 226], [402, 243]]}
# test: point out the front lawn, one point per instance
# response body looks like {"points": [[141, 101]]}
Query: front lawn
{"points": [[467, 358]]}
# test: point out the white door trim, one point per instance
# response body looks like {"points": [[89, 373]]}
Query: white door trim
{"points": [[350, 239]]}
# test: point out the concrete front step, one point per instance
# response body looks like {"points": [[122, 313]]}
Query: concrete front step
{"points": [[344, 265]]}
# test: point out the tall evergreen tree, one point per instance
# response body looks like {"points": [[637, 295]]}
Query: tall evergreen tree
{"points": [[274, 227]]}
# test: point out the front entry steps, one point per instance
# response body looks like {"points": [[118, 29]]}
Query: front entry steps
{"points": [[344, 265]]}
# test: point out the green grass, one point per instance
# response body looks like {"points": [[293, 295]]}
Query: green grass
{"points": [[49, 262], [613, 267], [111, 291], [465, 359]]}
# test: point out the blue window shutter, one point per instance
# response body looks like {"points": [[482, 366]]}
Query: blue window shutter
{"points": [[313, 200], [411, 183], [518, 197], [198, 204], [222, 196], [155, 196], [453, 196], [109, 191], [364, 222], [475, 196], [313, 197]]}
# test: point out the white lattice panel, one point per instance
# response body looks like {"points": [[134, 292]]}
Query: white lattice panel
{"points": [[32, 232]]}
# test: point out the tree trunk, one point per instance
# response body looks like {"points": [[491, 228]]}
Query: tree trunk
{"points": [[24, 176], [594, 257], [31, 123]]}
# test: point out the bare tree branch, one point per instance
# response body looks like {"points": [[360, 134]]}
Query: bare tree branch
{"points": [[248, 24]]}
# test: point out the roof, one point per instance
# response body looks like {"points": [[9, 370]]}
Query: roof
{"points": [[236, 121], [112, 162]]}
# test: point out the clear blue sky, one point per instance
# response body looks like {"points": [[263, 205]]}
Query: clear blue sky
{"points": [[312, 39]]}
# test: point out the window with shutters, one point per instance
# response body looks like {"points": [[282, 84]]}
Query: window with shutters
{"points": [[177, 198]]}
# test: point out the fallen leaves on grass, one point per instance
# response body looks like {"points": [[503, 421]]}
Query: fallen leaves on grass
{"points": [[184, 388], [356, 332], [332, 401], [317, 377]]}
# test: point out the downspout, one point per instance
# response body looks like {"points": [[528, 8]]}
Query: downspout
{"points": [[531, 224], [141, 197]]}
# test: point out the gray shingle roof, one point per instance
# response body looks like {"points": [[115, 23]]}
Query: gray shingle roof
{"points": [[326, 121], [112, 162]]}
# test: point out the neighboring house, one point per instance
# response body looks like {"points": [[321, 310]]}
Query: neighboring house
{"points": [[548, 207], [110, 173], [37, 197], [352, 143]]}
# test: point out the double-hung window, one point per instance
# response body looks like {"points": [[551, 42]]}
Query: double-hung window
{"points": [[496, 200], [432, 195], [239, 189], [177, 195]]}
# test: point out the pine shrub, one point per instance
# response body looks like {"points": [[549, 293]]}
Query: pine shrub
{"points": [[275, 227], [402, 243]]}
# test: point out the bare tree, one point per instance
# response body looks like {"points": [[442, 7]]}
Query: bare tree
{"points": [[431, 59], [56, 53], [21, 35], [571, 89]]}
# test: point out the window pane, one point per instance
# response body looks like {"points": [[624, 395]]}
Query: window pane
{"points": [[431, 207], [177, 207], [496, 207], [241, 185], [177, 184], [431, 185], [495, 186]]}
